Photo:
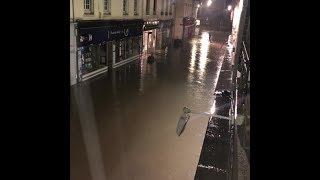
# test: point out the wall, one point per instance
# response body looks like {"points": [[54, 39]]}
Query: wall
{"points": [[184, 8], [158, 10], [195, 9], [181, 11], [71, 10], [73, 61], [236, 20], [178, 28], [144, 7]]}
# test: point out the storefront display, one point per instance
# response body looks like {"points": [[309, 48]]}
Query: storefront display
{"points": [[94, 57], [105, 43], [126, 49]]}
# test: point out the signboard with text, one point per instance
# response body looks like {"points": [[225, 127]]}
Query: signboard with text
{"points": [[97, 35]]}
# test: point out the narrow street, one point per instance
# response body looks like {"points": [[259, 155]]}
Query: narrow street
{"points": [[123, 122]]}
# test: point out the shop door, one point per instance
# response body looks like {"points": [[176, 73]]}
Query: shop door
{"points": [[109, 53], [150, 43]]}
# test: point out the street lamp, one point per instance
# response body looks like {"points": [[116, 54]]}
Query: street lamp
{"points": [[209, 3], [184, 118]]}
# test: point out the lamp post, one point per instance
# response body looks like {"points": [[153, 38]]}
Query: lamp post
{"points": [[184, 118]]}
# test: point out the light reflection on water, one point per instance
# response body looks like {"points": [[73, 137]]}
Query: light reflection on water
{"points": [[204, 69], [204, 47]]}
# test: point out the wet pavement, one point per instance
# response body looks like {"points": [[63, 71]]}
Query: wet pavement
{"points": [[216, 157], [123, 123]]}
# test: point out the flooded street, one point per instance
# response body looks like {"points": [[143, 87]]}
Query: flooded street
{"points": [[123, 123]]}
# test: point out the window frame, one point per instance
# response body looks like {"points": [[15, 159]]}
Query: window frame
{"points": [[147, 7], [136, 7], [125, 7], [108, 10], [91, 6]]}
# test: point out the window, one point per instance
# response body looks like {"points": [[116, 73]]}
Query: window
{"points": [[125, 7], [170, 11], [135, 7], [107, 7], [88, 6], [155, 7], [148, 7], [167, 5], [186, 10], [162, 7]]}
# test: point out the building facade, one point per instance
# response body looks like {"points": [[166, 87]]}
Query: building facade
{"points": [[158, 16], [184, 21], [105, 34]]}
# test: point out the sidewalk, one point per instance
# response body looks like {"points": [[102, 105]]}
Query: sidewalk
{"points": [[215, 154], [220, 149]]}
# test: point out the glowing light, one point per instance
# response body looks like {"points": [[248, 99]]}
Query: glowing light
{"points": [[198, 5], [193, 56], [229, 8], [209, 3], [204, 52]]}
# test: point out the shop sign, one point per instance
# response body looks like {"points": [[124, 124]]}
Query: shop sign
{"points": [[98, 35], [148, 25], [94, 35], [122, 32], [87, 37]]}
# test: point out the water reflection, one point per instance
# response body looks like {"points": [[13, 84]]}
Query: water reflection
{"points": [[89, 131], [142, 75], [204, 53]]}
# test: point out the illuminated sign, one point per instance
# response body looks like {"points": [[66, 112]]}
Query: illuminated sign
{"points": [[87, 37]]}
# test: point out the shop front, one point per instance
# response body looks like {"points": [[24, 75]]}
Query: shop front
{"points": [[150, 30], [91, 52], [126, 43], [164, 35], [105, 44], [189, 26]]}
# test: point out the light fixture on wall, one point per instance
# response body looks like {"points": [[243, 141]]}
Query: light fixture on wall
{"points": [[184, 118]]}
